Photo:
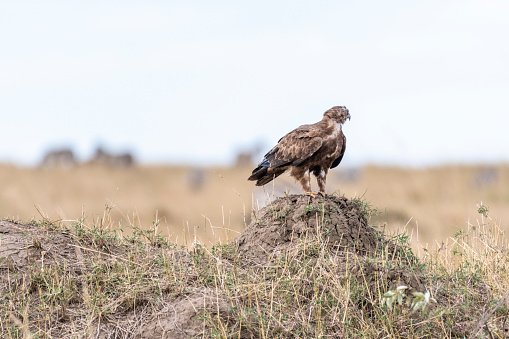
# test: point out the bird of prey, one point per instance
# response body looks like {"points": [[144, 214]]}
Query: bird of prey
{"points": [[307, 149]]}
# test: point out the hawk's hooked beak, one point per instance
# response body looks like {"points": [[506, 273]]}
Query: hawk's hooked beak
{"points": [[348, 116]]}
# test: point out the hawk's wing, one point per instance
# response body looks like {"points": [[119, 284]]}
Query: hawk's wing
{"points": [[294, 148], [343, 147]]}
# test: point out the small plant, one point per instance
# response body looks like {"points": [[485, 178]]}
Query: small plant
{"points": [[420, 301], [483, 210], [392, 296], [314, 208], [281, 215], [364, 206]]}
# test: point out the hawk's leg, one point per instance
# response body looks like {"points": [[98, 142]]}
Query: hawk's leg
{"points": [[303, 176], [321, 176]]}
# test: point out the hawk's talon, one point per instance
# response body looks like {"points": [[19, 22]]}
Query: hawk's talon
{"points": [[315, 194], [310, 194]]}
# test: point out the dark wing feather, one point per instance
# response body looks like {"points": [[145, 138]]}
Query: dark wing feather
{"points": [[343, 147], [295, 147]]}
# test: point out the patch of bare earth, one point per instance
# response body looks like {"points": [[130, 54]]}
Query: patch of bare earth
{"points": [[288, 222]]}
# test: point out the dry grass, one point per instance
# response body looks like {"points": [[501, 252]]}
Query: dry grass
{"points": [[435, 202], [432, 203], [309, 293], [134, 195]]}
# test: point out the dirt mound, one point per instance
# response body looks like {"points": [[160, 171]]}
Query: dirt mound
{"points": [[61, 281], [86, 283], [288, 221], [305, 267]]}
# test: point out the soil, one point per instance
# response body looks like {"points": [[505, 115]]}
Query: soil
{"points": [[25, 249], [287, 221], [275, 230]]}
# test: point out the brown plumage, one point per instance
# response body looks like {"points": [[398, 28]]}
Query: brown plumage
{"points": [[307, 149]]}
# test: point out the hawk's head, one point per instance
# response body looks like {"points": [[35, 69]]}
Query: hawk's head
{"points": [[338, 114]]}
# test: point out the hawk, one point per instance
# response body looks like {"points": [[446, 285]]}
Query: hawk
{"points": [[307, 149]]}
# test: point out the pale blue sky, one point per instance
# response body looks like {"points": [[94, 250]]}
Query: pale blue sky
{"points": [[426, 82]]}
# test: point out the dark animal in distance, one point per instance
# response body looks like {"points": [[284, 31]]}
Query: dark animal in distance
{"points": [[59, 158], [307, 149], [123, 160]]}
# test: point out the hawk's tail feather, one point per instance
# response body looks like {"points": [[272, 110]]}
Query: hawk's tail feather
{"points": [[258, 172], [264, 175]]}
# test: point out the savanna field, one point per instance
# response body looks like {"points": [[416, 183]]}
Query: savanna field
{"points": [[215, 204], [183, 252]]}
